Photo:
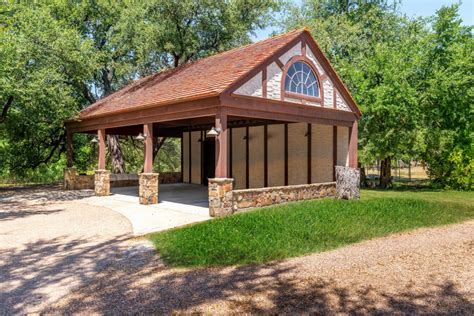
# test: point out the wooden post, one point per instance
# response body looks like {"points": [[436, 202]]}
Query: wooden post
{"points": [[221, 145], [353, 139], [148, 133], [101, 136], [69, 149], [334, 152]]}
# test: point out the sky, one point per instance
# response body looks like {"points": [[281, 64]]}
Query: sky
{"points": [[411, 8]]}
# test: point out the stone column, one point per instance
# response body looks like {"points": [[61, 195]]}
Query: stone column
{"points": [[347, 183], [102, 182], [70, 178], [220, 197], [148, 190]]}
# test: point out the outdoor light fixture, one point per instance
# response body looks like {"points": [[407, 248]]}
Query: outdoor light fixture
{"points": [[141, 137], [94, 140], [214, 132]]}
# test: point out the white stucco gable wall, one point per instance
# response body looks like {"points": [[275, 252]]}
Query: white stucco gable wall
{"points": [[274, 81], [254, 86]]}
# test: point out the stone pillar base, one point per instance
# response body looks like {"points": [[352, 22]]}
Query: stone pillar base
{"points": [[70, 174], [148, 190], [220, 196], [102, 182], [347, 183]]}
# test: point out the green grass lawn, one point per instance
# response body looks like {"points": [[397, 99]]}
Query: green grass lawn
{"points": [[312, 226]]}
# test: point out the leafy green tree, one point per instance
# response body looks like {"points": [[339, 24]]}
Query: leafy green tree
{"points": [[447, 100], [371, 46], [57, 57], [135, 39], [40, 60]]}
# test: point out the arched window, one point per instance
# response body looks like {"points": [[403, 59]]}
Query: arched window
{"points": [[301, 79]]}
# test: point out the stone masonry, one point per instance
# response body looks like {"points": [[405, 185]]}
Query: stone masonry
{"points": [[102, 182], [249, 198], [69, 178], [347, 183], [74, 181], [148, 188], [220, 196]]}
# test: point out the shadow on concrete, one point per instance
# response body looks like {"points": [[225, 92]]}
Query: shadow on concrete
{"points": [[180, 193]]}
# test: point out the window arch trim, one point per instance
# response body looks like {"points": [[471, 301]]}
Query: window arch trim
{"points": [[302, 97]]}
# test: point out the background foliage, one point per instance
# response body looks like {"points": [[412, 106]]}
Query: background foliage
{"points": [[412, 77]]}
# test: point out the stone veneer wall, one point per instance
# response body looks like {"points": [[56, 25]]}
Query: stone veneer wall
{"points": [[220, 197], [347, 183], [249, 198], [148, 188], [74, 181]]}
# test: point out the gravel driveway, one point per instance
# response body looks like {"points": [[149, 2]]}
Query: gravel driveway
{"points": [[428, 271], [64, 257], [51, 243]]}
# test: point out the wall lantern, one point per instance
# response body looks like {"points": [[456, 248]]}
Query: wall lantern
{"points": [[141, 137], [94, 140], [214, 132]]}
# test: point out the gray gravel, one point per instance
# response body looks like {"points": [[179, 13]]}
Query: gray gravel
{"points": [[428, 271], [61, 256], [50, 243]]}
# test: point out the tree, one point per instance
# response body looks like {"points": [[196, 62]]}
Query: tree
{"points": [[447, 100], [71, 55], [135, 39], [40, 60], [372, 47]]}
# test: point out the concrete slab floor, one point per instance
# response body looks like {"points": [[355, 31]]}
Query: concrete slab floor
{"points": [[179, 204]]}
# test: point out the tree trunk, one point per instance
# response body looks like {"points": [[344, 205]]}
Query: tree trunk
{"points": [[118, 165], [363, 178], [157, 143], [385, 173]]}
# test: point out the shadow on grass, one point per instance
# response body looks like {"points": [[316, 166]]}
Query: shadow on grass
{"points": [[400, 185], [270, 288]]}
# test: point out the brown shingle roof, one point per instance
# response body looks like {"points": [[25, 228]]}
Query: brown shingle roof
{"points": [[206, 77]]}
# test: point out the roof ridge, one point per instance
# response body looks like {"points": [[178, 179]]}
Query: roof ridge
{"points": [[163, 74], [255, 43]]}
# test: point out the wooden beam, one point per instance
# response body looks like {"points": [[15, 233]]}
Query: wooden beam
{"points": [[284, 111], [164, 113], [190, 156], [265, 155], [201, 144], [279, 63], [264, 82], [221, 146], [101, 136], [286, 153], [353, 140], [230, 153], [303, 47], [309, 152], [182, 158], [69, 149], [334, 152], [247, 158], [148, 133]]}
